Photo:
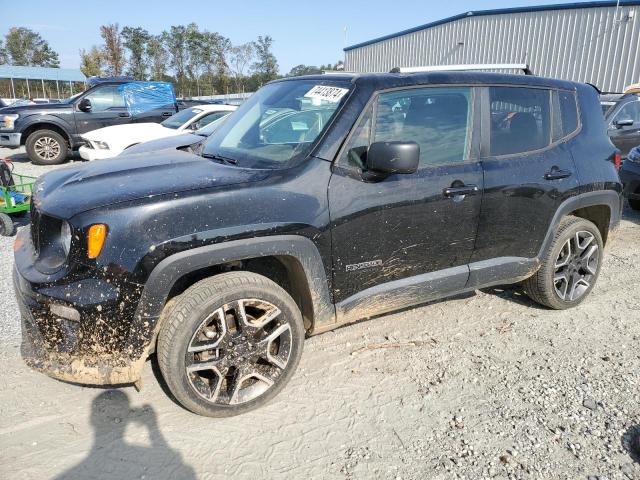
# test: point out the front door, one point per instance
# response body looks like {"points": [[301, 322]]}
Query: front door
{"points": [[528, 172], [401, 227], [627, 136], [107, 108]]}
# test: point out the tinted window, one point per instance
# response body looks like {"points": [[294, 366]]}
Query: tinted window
{"points": [[568, 112], [207, 119], [631, 111], [438, 119], [356, 150], [520, 120], [104, 98]]}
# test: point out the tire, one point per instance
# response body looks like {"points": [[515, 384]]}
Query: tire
{"points": [[7, 227], [634, 204], [46, 147], [577, 277], [234, 365]]}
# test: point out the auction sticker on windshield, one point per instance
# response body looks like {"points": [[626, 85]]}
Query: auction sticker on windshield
{"points": [[329, 94]]}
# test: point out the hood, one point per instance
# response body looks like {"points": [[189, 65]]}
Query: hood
{"points": [[39, 107], [68, 191], [173, 142]]}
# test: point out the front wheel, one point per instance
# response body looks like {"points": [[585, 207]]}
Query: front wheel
{"points": [[571, 266], [6, 225], [230, 343], [46, 147]]}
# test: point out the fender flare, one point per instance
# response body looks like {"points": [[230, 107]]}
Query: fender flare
{"points": [[44, 119], [301, 249], [608, 198]]}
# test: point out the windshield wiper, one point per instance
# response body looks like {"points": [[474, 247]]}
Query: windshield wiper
{"points": [[220, 158]]}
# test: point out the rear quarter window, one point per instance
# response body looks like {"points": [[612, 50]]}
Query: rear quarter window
{"points": [[568, 112]]}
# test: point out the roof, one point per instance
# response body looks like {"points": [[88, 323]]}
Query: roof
{"points": [[499, 11], [42, 73], [380, 81]]}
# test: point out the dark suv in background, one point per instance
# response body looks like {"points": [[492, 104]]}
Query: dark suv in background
{"points": [[378, 193], [622, 115], [49, 131]]}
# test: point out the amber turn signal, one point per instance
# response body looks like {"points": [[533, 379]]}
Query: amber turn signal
{"points": [[96, 238]]}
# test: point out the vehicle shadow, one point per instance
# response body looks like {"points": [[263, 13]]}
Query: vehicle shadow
{"points": [[513, 293], [631, 442], [19, 155], [111, 457], [630, 214]]}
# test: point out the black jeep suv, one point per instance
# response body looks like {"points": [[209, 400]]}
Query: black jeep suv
{"points": [[321, 201]]}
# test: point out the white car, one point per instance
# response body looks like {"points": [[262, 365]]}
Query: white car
{"points": [[108, 142]]}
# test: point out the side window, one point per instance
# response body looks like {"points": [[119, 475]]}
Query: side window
{"points": [[568, 112], [356, 151], [438, 119], [520, 119], [631, 111], [106, 97], [207, 119]]}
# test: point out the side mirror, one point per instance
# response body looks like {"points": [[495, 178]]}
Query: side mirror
{"points": [[625, 122], [84, 105], [393, 157]]}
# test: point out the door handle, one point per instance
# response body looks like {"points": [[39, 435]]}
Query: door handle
{"points": [[557, 174], [123, 114], [166, 114], [451, 192]]}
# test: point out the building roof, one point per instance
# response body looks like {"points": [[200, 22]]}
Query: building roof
{"points": [[499, 11], [41, 73]]}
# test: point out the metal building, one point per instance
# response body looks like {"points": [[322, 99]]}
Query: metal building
{"points": [[595, 42]]}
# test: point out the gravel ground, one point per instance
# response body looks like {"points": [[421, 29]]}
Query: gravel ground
{"points": [[485, 385]]}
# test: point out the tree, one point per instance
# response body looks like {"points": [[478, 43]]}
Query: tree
{"points": [[266, 66], [3, 53], [91, 62], [158, 57], [136, 40], [240, 57], [112, 50], [304, 70], [28, 48], [176, 42]]}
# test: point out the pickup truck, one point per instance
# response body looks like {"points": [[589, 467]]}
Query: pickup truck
{"points": [[50, 131]]}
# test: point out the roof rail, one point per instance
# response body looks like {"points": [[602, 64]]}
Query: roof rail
{"points": [[471, 67]]}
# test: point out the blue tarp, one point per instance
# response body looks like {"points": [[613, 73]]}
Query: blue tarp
{"points": [[144, 96]]}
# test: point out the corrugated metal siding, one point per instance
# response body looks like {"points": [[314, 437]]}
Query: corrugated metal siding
{"points": [[595, 45]]}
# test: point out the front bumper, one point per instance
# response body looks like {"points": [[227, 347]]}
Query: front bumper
{"points": [[11, 140], [107, 343], [89, 153], [630, 177]]}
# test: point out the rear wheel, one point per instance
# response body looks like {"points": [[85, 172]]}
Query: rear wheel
{"points": [[570, 267], [6, 225], [230, 343], [46, 147]]}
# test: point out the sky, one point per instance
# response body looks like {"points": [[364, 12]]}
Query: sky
{"points": [[310, 33]]}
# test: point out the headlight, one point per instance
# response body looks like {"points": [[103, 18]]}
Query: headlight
{"points": [[102, 145], [65, 237], [9, 121]]}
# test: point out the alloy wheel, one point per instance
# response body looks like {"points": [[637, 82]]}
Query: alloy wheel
{"points": [[238, 352], [576, 266], [47, 148]]}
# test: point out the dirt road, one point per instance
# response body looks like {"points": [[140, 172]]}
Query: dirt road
{"points": [[486, 385]]}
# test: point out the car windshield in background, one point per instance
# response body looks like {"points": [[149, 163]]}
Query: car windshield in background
{"points": [[180, 118], [278, 124]]}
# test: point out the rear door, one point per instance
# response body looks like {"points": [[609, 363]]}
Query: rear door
{"points": [[528, 170], [626, 137], [107, 108], [406, 225]]}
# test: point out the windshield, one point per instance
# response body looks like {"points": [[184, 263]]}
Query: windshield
{"points": [[180, 118], [71, 98], [278, 124]]}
